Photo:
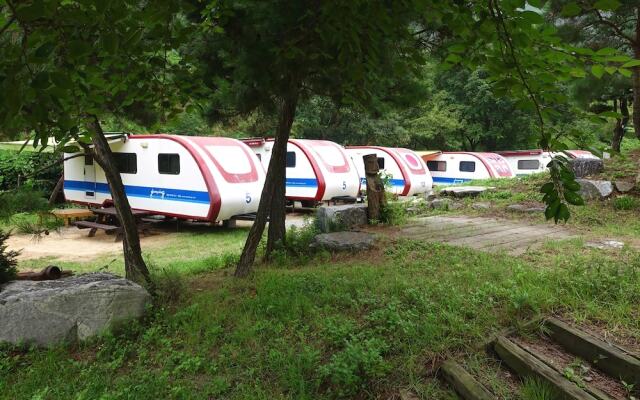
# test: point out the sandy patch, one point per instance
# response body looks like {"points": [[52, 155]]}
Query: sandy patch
{"points": [[73, 244]]}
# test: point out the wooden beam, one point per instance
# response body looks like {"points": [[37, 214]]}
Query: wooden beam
{"points": [[463, 383]]}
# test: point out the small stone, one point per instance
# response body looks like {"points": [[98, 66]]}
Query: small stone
{"points": [[464, 191], [441, 204], [523, 208], [605, 244], [594, 190], [586, 166], [481, 206], [624, 186], [343, 241]]}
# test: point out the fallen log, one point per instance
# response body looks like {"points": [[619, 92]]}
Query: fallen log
{"points": [[50, 272]]}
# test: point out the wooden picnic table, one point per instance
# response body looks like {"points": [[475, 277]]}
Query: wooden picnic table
{"points": [[67, 214], [107, 220]]}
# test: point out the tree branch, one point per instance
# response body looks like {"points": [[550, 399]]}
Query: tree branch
{"points": [[616, 29]]}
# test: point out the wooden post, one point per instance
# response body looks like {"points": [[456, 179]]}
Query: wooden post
{"points": [[375, 188]]}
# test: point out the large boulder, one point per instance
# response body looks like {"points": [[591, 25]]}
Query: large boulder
{"points": [[344, 217], [586, 166], [624, 186], [464, 191], [526, 208], [343, 241], [68, 309], [594, 190]]}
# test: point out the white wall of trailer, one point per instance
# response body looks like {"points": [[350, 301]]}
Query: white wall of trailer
{"points": [[182, 193], [527, 163], [455, 168], [316, 169], [416, 171]]}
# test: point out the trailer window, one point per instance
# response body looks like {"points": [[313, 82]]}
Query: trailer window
{"points": [[127, 163], [528, 164], [381, 162], [467, 166], [438, 166], [291, 159], [88, 159], [169, 164]]}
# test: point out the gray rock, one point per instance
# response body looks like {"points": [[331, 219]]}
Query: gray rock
{"points": [[594, 190], [524, 208], [624, 186], [68, 309], [481, 205], [605, 244], [464, 191], [343, 241], [586, 166], [441, 204], [341, 217]]}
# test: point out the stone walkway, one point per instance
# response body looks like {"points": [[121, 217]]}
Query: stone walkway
{"points": [[486, 234]]}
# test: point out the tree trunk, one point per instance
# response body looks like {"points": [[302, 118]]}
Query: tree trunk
{"points": [[375, 188], [135, 267], [277, 209], [56, 191], [618, 130], [272, 193], [636, 78]]}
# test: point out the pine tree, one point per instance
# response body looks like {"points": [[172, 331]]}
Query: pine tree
{"points": [[8, 260]]}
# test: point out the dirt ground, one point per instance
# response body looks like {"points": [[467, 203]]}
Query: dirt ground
{"points": [[73, 244]]}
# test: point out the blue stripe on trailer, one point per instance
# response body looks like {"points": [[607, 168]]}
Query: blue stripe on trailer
{"points": [[301, 182], [187, 196], [448, 181], [393, 182]]}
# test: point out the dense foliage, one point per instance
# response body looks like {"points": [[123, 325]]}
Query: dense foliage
{"points": [[26, 166]]}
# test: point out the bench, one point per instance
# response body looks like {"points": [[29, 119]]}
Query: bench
{"points": [[94, 226]]}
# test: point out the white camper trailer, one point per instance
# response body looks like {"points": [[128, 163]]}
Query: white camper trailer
{"points": [[199, 178], [407, 172], [527, 162], [579, 154], [450, 168], [317, 170]]}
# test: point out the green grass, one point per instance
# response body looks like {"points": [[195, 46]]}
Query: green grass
{"points": [[191, 250], [361, 327]]}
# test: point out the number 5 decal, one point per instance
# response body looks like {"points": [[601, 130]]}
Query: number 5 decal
{"points": [[344, 185], [248, 198]]}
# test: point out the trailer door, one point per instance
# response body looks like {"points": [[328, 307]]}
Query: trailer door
{"points": [[89, 177]]}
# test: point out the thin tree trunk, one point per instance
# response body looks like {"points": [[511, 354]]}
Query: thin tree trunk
{"points": [[135, 267], [56, 191], [618, 130], [275, 181], [277, 209], [636, 78], [376, 198]]}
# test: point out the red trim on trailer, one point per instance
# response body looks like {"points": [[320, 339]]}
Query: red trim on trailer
{"points": [[214, 193], [480, 156], [322, 185], [516, 153], [251, 176], [253, 142], [340, 169], [403, 171]]}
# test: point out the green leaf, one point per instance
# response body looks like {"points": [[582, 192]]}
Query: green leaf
{"points": [[572, 185], [607, 5], [625, 72], [573, 198], [606, 51], [547, 187], [611, 70], [597, 71], [70, 149], [610, 114], [632, 63], [578, 72], [552, 209], [453, 58], [563, 213], [570, 10], [532, 17], [457, 48]]}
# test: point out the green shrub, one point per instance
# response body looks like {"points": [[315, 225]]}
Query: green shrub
{"points": [[626, 203], [393, 213], [25, 199], [8, 260], [14, 164]]}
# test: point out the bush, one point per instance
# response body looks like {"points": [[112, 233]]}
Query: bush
{"points": [[393, 213], [26, 199], [626, 203], [8, 260], [14, 164]]}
